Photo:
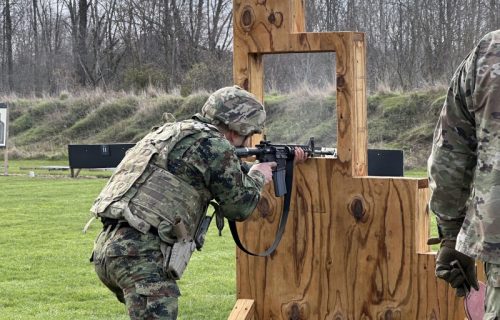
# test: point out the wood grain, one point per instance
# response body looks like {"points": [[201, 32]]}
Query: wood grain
{"points": [[276, 26], [354, 246], [243, 310], [349, 251]]}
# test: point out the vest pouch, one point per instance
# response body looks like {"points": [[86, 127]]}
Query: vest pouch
{"points": [[136, 222], [134, 164], [126, 174], [162, 198], [135, 167], [115, 210]]}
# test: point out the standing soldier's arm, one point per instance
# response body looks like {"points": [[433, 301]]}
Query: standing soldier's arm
{"points": [[453, 158]]}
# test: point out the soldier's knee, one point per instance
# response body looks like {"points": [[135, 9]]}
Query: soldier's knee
{"points": [[153, 300]]}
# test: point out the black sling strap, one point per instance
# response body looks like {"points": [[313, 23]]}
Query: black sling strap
{"points": [[283, 218]]}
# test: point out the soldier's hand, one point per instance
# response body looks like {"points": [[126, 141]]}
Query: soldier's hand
{"points": [[452, 274], [266, 168], [300, 156]]}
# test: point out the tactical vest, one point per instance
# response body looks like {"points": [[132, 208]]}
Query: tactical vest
{"points": [[142, 191]]}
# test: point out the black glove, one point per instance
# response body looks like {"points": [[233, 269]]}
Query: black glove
{"points": [[448, 269]]}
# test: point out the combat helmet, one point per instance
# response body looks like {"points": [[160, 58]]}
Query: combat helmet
{"points": [[236, 108]]}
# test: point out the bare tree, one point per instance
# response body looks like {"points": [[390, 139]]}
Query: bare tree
{"points": [[219, 18], [51, 45], [78, 13], [8, 46], [36, 64]]}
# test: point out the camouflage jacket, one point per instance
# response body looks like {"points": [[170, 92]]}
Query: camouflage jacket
{"points": [[197, 165], [208, 162], [464, 167]]}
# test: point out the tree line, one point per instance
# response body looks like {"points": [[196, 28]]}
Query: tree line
{"points": [[49, 46]]}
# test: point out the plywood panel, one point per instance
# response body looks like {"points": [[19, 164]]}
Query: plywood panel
{"points": [[435, 299], [349, 252]]}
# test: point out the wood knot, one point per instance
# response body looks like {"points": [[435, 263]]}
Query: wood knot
{"points": [[275, 18], [247, 18], [357, 209], [303, 38], [391, 314], [263, 207], [388, 315], [339, 316], [340, 81], [296, 311]]}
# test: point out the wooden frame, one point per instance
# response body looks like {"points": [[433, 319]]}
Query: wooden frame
{"points": [[355, 246], [268, 28]]}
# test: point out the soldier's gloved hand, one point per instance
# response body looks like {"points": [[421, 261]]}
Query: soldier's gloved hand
{"points": [[446, 271], [266, 168]]}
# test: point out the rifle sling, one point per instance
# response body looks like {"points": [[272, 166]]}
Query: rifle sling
{"points": [[283, 218]]}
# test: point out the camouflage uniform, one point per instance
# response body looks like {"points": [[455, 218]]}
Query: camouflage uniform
{"points": [[464, 167], [130, 262]]}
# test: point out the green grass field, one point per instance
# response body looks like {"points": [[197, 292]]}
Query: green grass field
{"points": [[44, 268]]}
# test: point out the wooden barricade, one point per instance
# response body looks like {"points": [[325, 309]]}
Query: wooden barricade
{"points": [[244, 309], [354, 246]]}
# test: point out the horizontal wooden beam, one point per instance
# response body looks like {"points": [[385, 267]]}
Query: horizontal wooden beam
{"points": [[310, 42]]}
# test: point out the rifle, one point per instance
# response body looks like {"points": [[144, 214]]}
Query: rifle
{"points": [[283, 155]]}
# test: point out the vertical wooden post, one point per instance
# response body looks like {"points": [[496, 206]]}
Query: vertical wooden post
{"points": [[359, 106], [351, 104], [298, 20], [256, 83]]}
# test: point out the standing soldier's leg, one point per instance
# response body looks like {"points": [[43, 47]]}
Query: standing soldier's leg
{"points": [[492, 299]]}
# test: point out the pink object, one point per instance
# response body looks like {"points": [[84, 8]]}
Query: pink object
{"points": [[474, 303]]}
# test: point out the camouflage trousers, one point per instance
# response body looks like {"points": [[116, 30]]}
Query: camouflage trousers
{"points": [[130, 264], [492, 299]]}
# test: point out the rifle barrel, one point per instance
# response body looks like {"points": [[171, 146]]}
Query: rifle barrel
{"points": [[248, 152], [332, 152]]}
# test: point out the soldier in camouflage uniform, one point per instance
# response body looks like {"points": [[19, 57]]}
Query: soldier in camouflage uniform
{"points": [[163, 185], [464, 171]]}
